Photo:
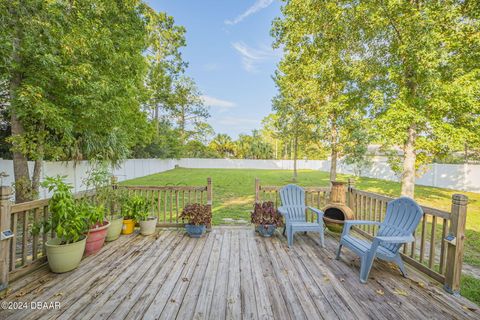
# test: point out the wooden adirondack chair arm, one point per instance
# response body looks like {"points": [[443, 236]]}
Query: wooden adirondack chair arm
{"points": [[404, 239]]}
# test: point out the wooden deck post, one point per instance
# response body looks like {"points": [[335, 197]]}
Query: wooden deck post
{"points": [[5, 208], [455, 248], [351, 196], [209, 199], [257, 190]]}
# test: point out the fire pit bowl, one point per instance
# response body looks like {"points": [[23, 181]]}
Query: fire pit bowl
{"points": [[336, 211]]}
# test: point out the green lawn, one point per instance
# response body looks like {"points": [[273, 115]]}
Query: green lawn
{"points": [[233, 197]]}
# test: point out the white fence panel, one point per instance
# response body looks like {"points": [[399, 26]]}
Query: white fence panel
{"points": [[460, 177]]}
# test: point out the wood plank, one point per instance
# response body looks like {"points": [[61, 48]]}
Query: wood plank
{"points": [[264, 308], [205, 266], [288, 291], [247, 292], [234, 302], [306, 302], [128, 297], [431, 258], [176, 259], [279, 306], [202, 308], [36, 219], [218, 308], [177, 274], [193, 266], [98, 302], [25, 238], [331, 288], [86, 274], [13, 242]]}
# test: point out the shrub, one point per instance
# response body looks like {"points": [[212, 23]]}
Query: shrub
{"points": [[265, 213], [68, 222], [137, 208], [197, 214]]}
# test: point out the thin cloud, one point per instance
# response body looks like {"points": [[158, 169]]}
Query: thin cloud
{"points": [[234, 121], [251, 57], [257, 6], [219, 103]]}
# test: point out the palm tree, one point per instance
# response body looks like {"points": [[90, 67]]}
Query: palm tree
{"points": [[223, 145]]}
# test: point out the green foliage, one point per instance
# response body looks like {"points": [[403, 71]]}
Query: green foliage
{"points": [[223, 145], [81, 65], [67, 218], [137, 208]]}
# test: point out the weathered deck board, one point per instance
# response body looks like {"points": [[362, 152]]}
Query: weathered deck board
{"points": [[231, 273]]}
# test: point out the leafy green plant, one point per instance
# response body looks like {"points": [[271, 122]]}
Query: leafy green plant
{"points": [[65, 219], [265, 214], [94, 215], [100, 179], [197, 214], [136, 208]]}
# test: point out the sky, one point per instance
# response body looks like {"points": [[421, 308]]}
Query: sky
{"points": [[230, 56]]}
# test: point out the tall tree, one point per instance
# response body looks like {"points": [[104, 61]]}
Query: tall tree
{"points": [[186, 108], [422, 58], [74, 74], [223, 145], [317, 72]]}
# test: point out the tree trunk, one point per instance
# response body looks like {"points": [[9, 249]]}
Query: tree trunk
{"points": [[157, 123], [408, 174], [333, 164], [20, 166], [295, 155], [20, 163], [334, 154]]}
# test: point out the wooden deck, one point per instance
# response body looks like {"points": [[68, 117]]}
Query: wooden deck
{"points": [[231, 273]]}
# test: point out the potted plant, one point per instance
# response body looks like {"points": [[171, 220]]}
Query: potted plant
{"points": [[266, 218], [117, 197], [108, 195], [140, 210], [198, 216], [98, 226], [65, 251]]}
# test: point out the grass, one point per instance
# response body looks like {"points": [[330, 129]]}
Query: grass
{"points": [[233, 197]]}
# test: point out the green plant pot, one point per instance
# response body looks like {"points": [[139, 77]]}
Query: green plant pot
{"points": [[115, 229], [64, 257], [148, 226]]}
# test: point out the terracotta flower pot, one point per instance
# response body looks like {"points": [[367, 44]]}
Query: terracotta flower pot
{"points": [[64, 257], [96, 238]]}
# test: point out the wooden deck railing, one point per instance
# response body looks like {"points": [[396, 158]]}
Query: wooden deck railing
{"points": [[25, 252], [167, 202], [314, 196], [430, 253]]}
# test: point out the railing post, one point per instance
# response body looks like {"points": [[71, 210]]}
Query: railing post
{"points": [[209, 199], [455, 245], [5, 211], [351, 196], [257, 190]]}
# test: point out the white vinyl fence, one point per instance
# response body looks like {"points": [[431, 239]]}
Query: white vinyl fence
{"points": [[460, 177]]}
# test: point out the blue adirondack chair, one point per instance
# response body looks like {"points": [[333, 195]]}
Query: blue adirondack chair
{"points": [[294, 210], [402, 218]]}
